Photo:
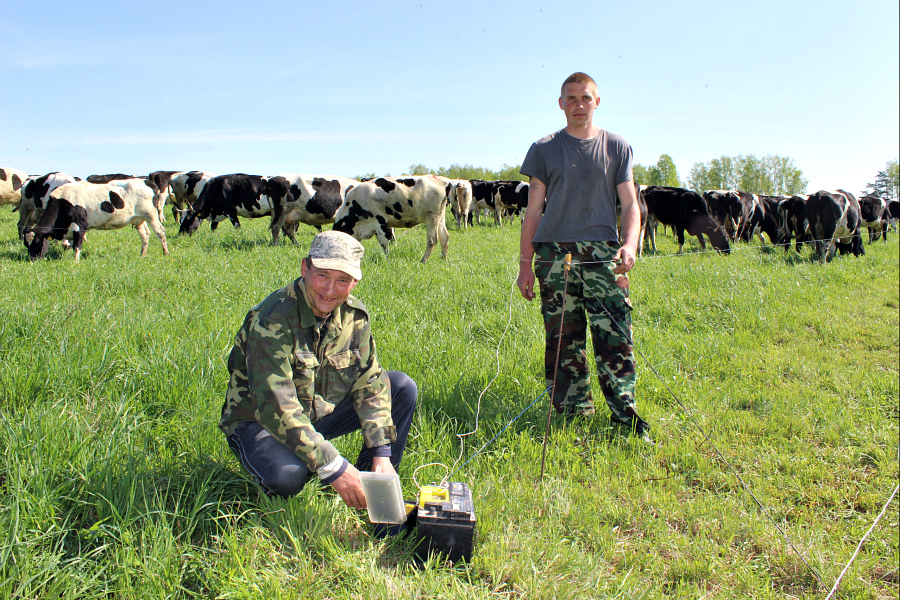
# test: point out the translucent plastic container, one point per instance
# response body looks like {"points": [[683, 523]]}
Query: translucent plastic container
{"points": [[384, 497]]}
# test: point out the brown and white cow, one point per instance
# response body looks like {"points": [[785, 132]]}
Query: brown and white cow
{"points": [[461, 201], [75, 208], [375, 207], [11, 181]]}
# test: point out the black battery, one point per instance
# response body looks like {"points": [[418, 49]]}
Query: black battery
{"points": [[445, 522]]}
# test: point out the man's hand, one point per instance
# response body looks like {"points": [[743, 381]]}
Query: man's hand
{"points": [[349, 488], [382, 464], [525, 281], [625, 259]]}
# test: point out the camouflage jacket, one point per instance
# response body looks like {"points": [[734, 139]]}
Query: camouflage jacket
{"points": [[286, 375]]}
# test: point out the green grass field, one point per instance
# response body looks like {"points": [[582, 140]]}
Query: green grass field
{"points": [[116, 483]]}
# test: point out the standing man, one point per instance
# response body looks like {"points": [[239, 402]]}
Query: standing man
{"points": [[578, 171], [303, 371]]}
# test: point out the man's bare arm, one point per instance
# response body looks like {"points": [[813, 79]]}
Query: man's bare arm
{"points": [[537, 193], [631, 226]]}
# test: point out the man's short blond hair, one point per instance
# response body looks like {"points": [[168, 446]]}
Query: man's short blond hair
{"points": [[578, 77]]}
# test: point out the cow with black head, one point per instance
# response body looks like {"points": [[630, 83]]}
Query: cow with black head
{"points": [[685, 211]]}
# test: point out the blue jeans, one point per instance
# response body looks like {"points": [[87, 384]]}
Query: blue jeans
{"points": [[280, 472]]}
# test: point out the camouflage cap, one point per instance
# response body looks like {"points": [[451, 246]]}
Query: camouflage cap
{"points": [[337, 250]]}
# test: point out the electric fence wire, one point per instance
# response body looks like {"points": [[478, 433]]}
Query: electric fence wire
{"points": [[461, 436], [693, 420], [732, 249], [861, 542]]}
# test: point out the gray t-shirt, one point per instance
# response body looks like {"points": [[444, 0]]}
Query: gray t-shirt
{"points": [[581, 178]]}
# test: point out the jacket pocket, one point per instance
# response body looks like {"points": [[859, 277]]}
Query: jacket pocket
{"points": [[306, 365], [343, 371]]}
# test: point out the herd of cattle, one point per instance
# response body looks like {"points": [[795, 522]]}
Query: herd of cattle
{"points": [[58, 206]]}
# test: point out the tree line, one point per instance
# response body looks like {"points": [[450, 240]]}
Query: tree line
{"points": [[771, 175]]}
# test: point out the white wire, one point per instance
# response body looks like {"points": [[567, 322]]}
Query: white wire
{"points": [[422, 467], [461, 436], [861, 542]]}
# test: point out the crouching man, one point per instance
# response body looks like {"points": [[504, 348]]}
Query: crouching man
{"points": [[303, 371]]}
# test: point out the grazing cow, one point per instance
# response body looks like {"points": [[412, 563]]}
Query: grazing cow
{"points": [[305, 199], [35, 194], [874, 215], [739, 213], [11, 181], [792, 212], [893, 212], [160, 179], [374, 207], [510, 198], [461, 201], [770, 220], [686, 211], [75, 208], [754, 215], [834, 217], [228, 196], [483, 199], [186, 188], [726, 208]]}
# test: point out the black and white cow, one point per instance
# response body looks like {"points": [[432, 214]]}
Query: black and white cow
{"points": [[186, 187], [686, 211], [510, 198], [160, 179], [874, 215], [792, 212], [375, 207], [461, 201], [35, 195], [229, 197], [755, 211], [834, 218], [306, 199], [770, 220], [75, 208], [163, 182], [739, 213], [11, 181], [483, 199], [893, 212], [726, 207]]}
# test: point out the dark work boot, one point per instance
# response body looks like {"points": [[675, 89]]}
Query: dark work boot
{"points": [[635, 424]]}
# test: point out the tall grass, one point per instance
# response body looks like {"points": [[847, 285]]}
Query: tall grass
{"points": [[115, 481]]}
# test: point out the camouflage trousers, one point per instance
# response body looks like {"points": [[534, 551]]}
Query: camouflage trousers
{"points": [[592, 296]]}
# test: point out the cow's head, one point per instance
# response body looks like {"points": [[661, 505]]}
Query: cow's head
{"points": [[190, 223], [37, 243], [703, 223]]}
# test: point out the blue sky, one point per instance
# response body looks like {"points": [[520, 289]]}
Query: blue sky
{"points": [[348, 88]]}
